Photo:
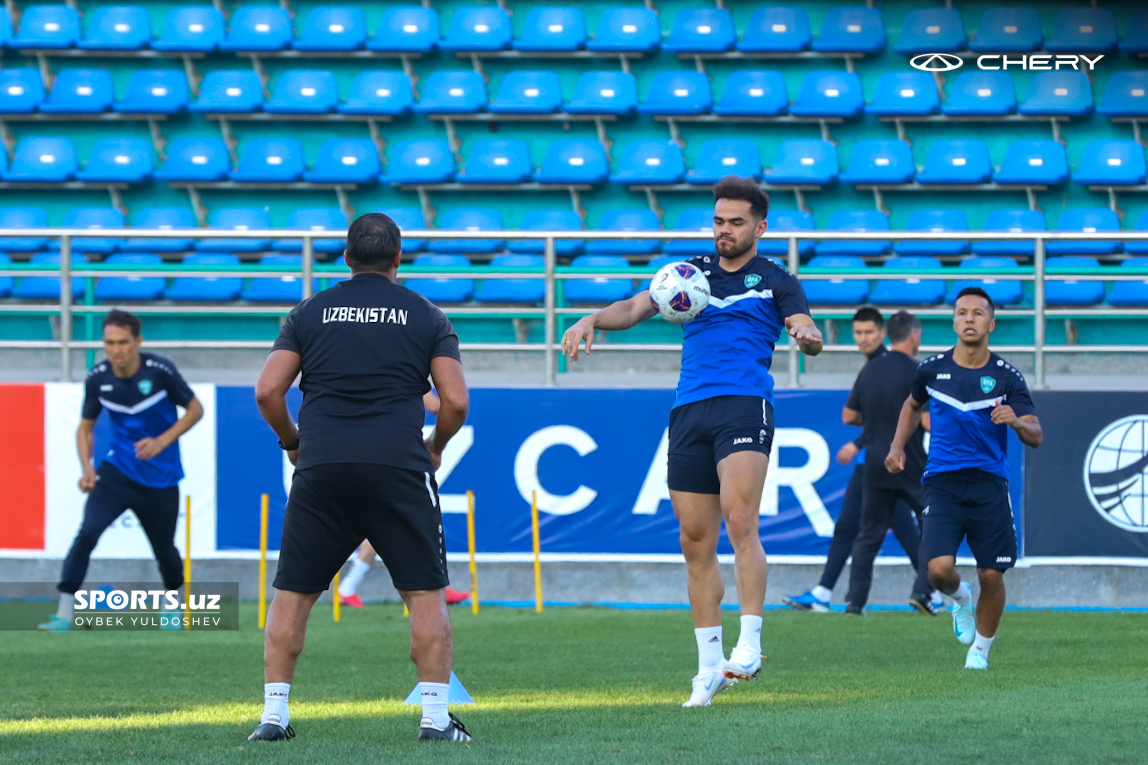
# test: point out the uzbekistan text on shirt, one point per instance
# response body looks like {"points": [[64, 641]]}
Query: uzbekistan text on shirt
{"points": [[381, 315]]}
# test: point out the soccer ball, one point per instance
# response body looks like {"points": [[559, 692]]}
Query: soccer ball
{"points": [[680, 292]]}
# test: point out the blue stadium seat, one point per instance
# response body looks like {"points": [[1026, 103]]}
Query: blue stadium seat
{"points": [[408, 29], [6, 282], [80, 91], [856, 220], [604, 93], [650, 163], [553, 29], [462, 92], [776, 30], [117, 28], [48, 287], [829, 94], [237, 219], [473, 219], [21, 91], [479, 28], [384, 93], [513, 290], [717, 159], [229, 92], [270, 160], [1015, 221], [902, 94], [678, 92], [1058, 93], [155, 91], [528, 93], [787, 220], [167, 219], [981, 94], [625, 220], [701, 30], [1083, 30], [753, 94], [5, 37], [304, 91], [1141, 247], [851, 29], [206, 289], [693, 219], [804, 162], [836, 291], [1130, 294], [1059, 292], [42, 160], [95, 218], [1007, 30], [316, 219], [938, 221], [282, 289], [191, 29], [119, 160], [1003, 291], [1036, 163], [442, 290], [909, 291], [573, 162], [498, 161], [408, 219], [1111, 163], [1088, 220], [195, 159], [598, 290], [346, 160], [626, 30], [111, 289], [1136, 33], [931, 30], [23, 217], [879, 162], [956, 162], [257, 29], [47, 26], [419, 162], [332, 29], [548, 220], [1126, 95]]}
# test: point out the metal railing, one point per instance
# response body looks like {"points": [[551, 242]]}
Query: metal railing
{"points": [[553, 274]]}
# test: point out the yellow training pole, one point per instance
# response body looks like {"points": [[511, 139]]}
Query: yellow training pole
{"points": [[470, 546], [187, 563], [262, 561], [406, 611], [335, 598], [537, 552]]}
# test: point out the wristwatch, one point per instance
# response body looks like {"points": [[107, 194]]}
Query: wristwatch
{"points": [[289, 447]]}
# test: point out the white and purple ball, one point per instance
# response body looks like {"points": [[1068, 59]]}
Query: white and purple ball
{"points": [[680, 292]]}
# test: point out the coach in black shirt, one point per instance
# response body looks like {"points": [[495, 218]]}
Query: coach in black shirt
{"points": [[365, 348]]}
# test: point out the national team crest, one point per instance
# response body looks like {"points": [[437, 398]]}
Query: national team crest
{"points": [[987, 384], [145, 387], [752, 280]]}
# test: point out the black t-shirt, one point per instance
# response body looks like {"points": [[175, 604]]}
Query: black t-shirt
{"points": [[879, 393], [366, 346]]}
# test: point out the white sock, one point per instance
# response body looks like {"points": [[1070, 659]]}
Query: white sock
{"points": [[710, 651], [350, 585], [67, 604], [750, 634], [275, 704], [434, 704], [964, 594], [982, 644], [822, 593], [937, 598]]}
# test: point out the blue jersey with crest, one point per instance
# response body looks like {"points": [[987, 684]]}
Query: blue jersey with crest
{"points": [[140, 406], [728, 349]]}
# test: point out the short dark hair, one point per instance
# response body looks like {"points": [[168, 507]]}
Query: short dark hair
{"points": [[869, 313], [746, 189], [373, 242], [979, 293], [901, 325], [118, 318]]}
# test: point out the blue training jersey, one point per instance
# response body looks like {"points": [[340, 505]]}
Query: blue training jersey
{"points": [[963, 433], [140, 406], [728, 349]]}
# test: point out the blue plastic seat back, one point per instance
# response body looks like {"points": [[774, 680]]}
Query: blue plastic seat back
{"points": [[879, 162], [626, 30], [5, 30], [529, 92], [270, 160], [1002, 291], [305, 91], [206, 289], [1090, 221], [115, 288], [753, 94], [237, 219], [459, 92], [931, 30], [905, 93], [702, 30], [851, 29], [421, 161], [529, 290], [548, 220], [1069, 291], [164, 218], [477, 28], [48, 287], [1034, 162], [700, 219], [1111, 163], [332, 28], [277, 289], [981, 93], [678, 92], [1067, 93], [47, 26], [598, 290], [829, 94], [21, 91], [155, 91], [1131, 247], [346, 160], [470, 219], [573, 161], [119, 160], [196, 159], [230, 92], [604, 93], [1015, 221], [776, 30], [856, 220], [80, 91], [720, 158], [1130, 293], [1083, 30], [408, 219], [193, 29], [1136, 33], [44, 159], [650, 162], [836, 291], [553, 29], [1008, 30], [95, 218], [6, 282], [804, 162], [787, 220], [381, 92], [626, 220], [439, 290], [909, 291], [936, 221], [316, 219], [259, 28], [118, 27], [498, 161], [23, 217], [957, 162], [1126, 95], [407, 30]]}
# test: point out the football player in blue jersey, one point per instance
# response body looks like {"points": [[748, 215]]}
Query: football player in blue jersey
{"points": [[976, 396], [140, 471], [721, 424]]}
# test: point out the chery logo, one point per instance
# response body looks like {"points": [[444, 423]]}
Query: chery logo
{"points": [[947, 62]]}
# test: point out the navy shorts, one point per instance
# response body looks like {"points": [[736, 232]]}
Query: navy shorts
{"points": [[975, 504], [705, 432]]}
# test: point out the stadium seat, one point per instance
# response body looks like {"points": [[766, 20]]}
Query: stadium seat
{"points": [[346, 160], [1126, 95], [1138, 247], [237, 219], [1130, 294], [1007, 30], [206, 289], [383, 93], [23, 217], [513, 290], [1015, 221], [479, 28], [956, 162], [420, 162], [776, 30], [552, 29], [332, 29], [548, 220], [474, 219], [95, 218], [905, 94], [694, 219], [856, 220], [304, 91], [1087, 220], [462, 92], [195, 160], [316, 219], [931, 30], [408, 29], [909, 291], [119, 160], [1111, 163], [191, 29], [598, 290], [270, 160], [1003, 292], [851, 29], [528, 93], [155, 91], [604, 93], [717, 159], [111, 289], [257, 29], [282, 289], [1136, 33], [1037, 163], [442, 290], [678, 92], [836, 291], [879, 162], [408, 219], [573, 162], [1059, 292], [80, 91], [938, 221], [48, 287], [829, 94], [701, 30], [650, 163], [753, 94], [626, 30], [42, 160], [787, 220], [229, 92], [47, 26], [164, 218], [497, 161], [6, 282], [117, 28], [804, 163], [1058, 93], [21, 91], [1083, 30], [625, 220], [981, 94]]}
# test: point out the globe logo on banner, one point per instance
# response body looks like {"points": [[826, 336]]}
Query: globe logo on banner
{"points": [[1116, 473]]}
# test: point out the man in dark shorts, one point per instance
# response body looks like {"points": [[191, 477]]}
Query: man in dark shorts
{"points": [[975, 396], [365, 348]]}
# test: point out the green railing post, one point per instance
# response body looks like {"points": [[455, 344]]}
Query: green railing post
{"points": [[550, 322], [1038, 313], [65, 308], [308, 267], [794, 352]]}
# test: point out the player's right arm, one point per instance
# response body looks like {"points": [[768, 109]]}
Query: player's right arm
{"points": [[617, 316]]}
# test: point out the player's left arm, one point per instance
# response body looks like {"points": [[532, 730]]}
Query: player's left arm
{"points": [[181, 395], [1019, 413], [278, 374], [801, 328], [790, 300]]}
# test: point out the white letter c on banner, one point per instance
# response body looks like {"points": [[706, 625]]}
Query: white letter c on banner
{"points": [[526, 468]]}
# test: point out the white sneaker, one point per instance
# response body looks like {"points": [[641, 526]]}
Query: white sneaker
{"points": [[706, 685], [743, 664], [976, 660], [964, 623]]}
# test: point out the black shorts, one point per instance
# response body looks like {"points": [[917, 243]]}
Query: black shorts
{"points": [[975, 504], [705, 432], [333, 508]]}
